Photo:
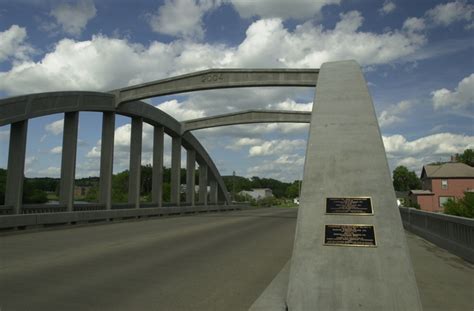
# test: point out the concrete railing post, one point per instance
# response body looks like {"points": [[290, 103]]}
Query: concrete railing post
{"points": [[157, 174], [107, 159], [135, 162], [175, 170], [68, 159], [190, 176], [16, 165], [203, 183]]}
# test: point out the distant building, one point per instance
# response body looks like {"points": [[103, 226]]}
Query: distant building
{"points": [[81, 191], [258, 193], [442, 182]]}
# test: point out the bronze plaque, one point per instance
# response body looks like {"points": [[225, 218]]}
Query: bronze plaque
{"points": [[349, 206], [350, 235]]}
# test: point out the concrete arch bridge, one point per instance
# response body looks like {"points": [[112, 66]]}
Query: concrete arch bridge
{"points": [[341, 259]]}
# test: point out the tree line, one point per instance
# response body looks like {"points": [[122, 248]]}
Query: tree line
{"points": [[42, 189]]}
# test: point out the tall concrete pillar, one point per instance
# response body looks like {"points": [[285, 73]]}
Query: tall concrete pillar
{"points": [[107, 159], [16, 165], [202, 183], [68, 159], [175, 170], [213, 191], [190, 176], [135, 162], [351, 261], [157, 174]]}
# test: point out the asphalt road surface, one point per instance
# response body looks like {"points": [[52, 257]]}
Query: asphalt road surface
{"points": [[220, 261]]}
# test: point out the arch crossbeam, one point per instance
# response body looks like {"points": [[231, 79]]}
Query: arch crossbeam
{"points": [[247, 117], [216, 79]]}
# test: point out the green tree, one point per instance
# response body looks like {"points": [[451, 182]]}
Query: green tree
{"points": [[463, 207], [467, 157], [146, 179], [120, 187], [92, 195], [292, 191], [32, 194], [404, 180]]}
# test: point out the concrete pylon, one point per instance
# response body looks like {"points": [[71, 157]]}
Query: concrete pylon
{"points": [[203, 183], [345, 158], [68, 159], [16, 165], [213, 191], [107, 159], [175, 170], [157, 173], [190, 176], [135, 162]]}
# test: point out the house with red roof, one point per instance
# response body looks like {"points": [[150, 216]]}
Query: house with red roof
{"points": [[443, 182]]}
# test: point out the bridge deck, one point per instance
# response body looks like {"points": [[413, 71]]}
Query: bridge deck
{"points": [[204, 262]]}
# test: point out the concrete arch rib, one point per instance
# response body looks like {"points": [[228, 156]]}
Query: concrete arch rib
{"points": [[216, 79], [20, 108], [247, 117]]}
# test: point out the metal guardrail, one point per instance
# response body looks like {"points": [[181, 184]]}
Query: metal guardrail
{"points": [[52, 218], [456, 234]]}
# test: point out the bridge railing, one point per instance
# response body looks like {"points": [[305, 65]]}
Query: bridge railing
{"points": [[456, 234], [57, 208], [39, 218]]}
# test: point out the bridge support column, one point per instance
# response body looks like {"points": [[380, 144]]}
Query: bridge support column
{"points": [[175, 170], [135, 162], [203, 183], [213, 191], [68, 160], [157, 174], [107, 159], [16, 165], [190, 176]]}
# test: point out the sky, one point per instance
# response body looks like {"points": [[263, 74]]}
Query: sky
{"points": [[417, 58]]}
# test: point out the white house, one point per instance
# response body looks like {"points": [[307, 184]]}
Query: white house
{"points": [[258, 193]]}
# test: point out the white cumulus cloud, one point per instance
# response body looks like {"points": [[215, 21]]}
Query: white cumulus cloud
{"points": [[393, 114], [243, 142], [92, 64], [56, 150], [73, 18], [55, 127], [290, 104], [180, 111], [277, 147], [13, 45], [448, 13], [388, 7], [181, 18], [418, 152], [287, 167], [461, 97], [297, 9]]}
